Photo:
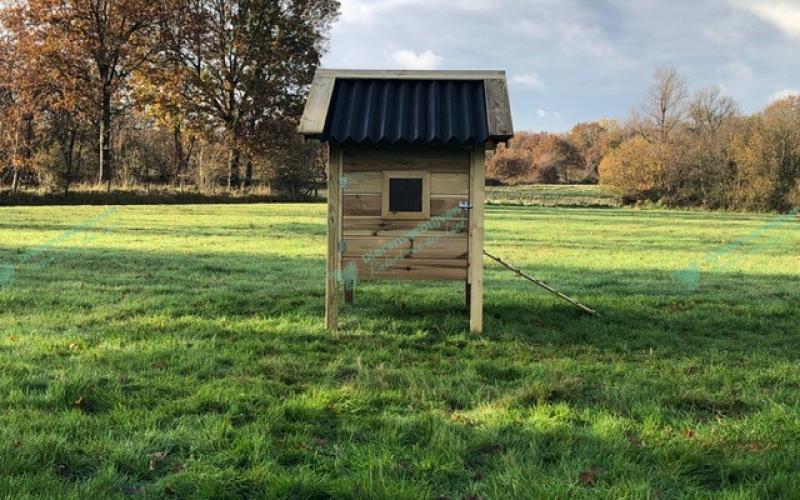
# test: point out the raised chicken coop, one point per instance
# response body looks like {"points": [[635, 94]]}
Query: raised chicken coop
{"points": [[406, 175]]}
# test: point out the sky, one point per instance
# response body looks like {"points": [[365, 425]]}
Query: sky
{"points": [[569, 61]]}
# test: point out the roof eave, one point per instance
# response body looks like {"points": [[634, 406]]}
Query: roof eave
{"points": [[312, 123]]}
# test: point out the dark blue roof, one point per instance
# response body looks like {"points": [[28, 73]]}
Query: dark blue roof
{"points": [[408, 112]]}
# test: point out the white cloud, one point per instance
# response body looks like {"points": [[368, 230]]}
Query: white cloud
{"points": [[531, 80], [541, 113], [737, 78], [739, 71], [368, 12], [585, 40], [408, 59], [727, 31], [783, 15], [356, 12], [572, 38], [782, 94]]}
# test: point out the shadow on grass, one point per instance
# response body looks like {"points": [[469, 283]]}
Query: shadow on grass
{"points": [[733, 312]]}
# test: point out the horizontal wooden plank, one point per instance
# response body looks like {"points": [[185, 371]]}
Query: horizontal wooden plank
{"points": [[362, 204], [376, 226], [430, 247], [362, 183], [434, 161], [450, 184], [441, 205], [405, 269]]}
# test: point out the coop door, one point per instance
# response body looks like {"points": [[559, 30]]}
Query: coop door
{"points": [[406, 195]]}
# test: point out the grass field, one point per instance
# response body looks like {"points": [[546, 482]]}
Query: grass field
{"points": [[179, 351], [553, 195]]}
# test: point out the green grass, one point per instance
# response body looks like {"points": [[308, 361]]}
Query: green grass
{"points": [[180, 351], [550, 195]]}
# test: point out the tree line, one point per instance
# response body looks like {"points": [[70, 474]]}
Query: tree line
{"points": [[208, 93], [137, 92], [676, 149]]}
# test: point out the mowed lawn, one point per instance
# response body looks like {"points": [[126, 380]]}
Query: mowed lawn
{"points": [[180, 351]]}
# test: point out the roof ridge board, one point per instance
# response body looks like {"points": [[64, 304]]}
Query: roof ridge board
{"points": [[412, 74]]}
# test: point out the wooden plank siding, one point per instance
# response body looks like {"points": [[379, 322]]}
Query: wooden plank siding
{"points": [[407, 269], [450, 184], [378, 226], [424, 247], [413, 249], [360, 160]]}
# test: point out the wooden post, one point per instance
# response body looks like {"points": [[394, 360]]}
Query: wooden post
{"points": [[333, 266], [477, 175]]}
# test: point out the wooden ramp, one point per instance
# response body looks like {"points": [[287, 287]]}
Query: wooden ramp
{"points": [[542, 284]]}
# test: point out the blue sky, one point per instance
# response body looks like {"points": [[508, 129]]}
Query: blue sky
{"points": [[578, 60]]}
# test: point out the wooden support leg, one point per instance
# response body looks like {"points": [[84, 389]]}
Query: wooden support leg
{"points": [[349, 292], [476, 196], [333, 268]]}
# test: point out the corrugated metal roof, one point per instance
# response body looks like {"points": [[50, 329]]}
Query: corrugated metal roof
{"points": [[407, 111]]}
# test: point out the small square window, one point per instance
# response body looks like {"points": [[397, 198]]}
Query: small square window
{"points": [[406, 195]]}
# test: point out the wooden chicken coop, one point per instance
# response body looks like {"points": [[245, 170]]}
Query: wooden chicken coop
{"points": [[406, 175]]}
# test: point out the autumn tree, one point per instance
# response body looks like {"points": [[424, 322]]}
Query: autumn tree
{"points": [[91, 47], [555, 153], [510, 165], [635, 169], [592, 140], [767, 155], [157, 91], [698, 156], [17, 111], [16, 134], [244, 65], [59, 107]]}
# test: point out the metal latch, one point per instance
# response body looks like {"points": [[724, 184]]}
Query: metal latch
{"points": [[341, 246], [464, 205]]}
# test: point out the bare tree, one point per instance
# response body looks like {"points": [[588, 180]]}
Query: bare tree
{"points": [[665, 104], [710, 109]]}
